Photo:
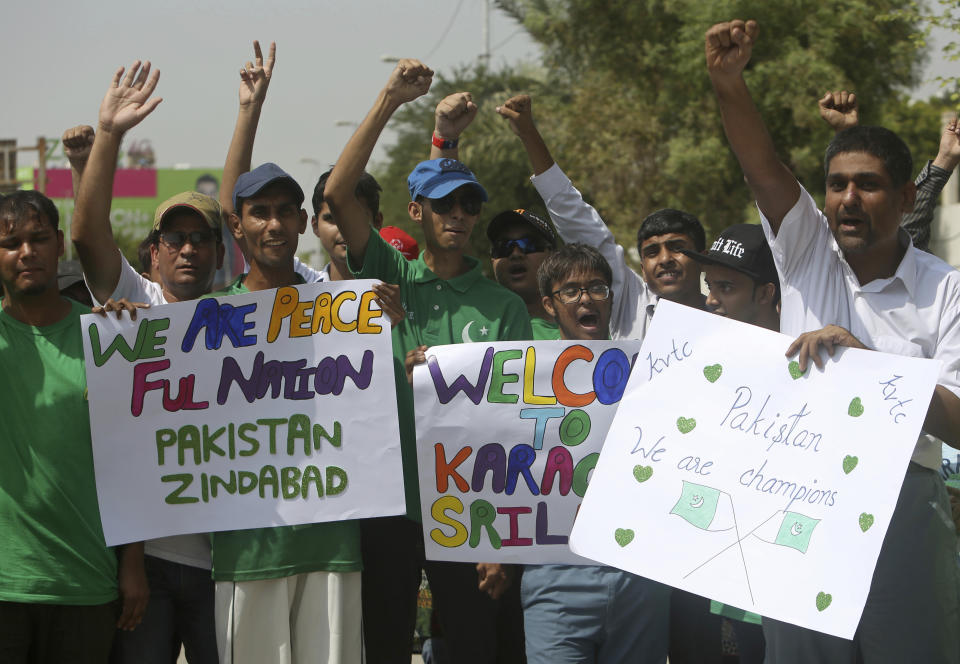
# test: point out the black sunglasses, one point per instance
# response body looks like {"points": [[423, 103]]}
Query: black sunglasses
{"points": [[471, 203], [176, 239], [528, 245]]}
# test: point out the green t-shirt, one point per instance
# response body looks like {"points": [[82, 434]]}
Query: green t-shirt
{"points": [[51, 542], [466, 308], [544, 330], [273, 553]]}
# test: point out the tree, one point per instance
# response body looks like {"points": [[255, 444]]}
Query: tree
{"points": [[624, 101]]}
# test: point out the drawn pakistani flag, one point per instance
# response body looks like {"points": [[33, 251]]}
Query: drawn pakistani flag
{"points": [[704, 507], [795, 531]]}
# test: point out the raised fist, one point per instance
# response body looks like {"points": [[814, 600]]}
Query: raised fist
{"points": [[77, 142], [518, 111], [839, 110], [409, 79], [454, 114], [728, 47]]}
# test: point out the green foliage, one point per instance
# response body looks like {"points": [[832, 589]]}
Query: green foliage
{"points": [[625, 103], [945, 15]]}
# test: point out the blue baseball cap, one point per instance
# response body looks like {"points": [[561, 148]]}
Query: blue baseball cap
{"points": [[438, 177], [250, 183]]}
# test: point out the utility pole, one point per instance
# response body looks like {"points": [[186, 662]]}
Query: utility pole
{"points": [[485, 55]]}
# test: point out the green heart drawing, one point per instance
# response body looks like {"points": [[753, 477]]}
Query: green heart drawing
{"points": [[686, 425], [623, 536], [849, 463], [823, 600], [642, 473], [855, 409], [794, 369], [712, 372], [866, 520]]}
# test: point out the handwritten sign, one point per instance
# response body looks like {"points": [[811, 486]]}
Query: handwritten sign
{"points": [[507, 436], [773, 488], [248, 411]]}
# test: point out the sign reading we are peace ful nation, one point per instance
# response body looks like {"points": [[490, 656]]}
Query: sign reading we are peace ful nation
{"points": [[732, 474], [244, 411]]}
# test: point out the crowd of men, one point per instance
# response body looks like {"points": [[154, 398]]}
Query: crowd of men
{"points": [[345, 591]]}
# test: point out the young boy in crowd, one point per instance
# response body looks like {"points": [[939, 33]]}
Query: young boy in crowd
{"points": [[447, 301], [519, 243]]}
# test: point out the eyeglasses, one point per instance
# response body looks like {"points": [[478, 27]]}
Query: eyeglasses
{"points": [[572, 294], [176, 239], [471, 203], [528, 245]]}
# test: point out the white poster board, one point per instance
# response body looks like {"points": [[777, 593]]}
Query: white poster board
{"points": [[244, 411], [729, 474], [507, 436]]}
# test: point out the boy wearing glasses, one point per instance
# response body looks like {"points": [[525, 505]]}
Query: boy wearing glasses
{"points": [[519, 243], [448, 300], [588, 613]]}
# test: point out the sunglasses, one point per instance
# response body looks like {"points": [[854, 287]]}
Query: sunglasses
{"points": [[572, 294], [528, 245], [176, 239], [471, 203]]}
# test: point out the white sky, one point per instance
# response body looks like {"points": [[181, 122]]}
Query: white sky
{"points": [[61, 57], [328, 67]]}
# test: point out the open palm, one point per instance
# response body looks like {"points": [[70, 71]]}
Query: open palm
{"points": [[128, 101]]}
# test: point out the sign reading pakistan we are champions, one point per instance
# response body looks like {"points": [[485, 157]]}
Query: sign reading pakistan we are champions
{"points": [[246, 411]]}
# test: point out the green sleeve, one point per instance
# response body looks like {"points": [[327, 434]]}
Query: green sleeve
{"points": [[381, 262], [516, 326]]}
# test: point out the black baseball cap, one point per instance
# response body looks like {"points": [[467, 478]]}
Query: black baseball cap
{"points": [[522, 217], [741, 247]]}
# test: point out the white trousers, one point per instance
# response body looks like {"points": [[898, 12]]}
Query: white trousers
{"points": [[312, 618]]}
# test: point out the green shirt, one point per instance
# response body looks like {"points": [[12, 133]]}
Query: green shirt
{"points": [[51, 542], [281, 551], [467, 308], [544, 330]]}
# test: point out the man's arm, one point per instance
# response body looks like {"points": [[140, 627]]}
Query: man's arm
{"points": [[518, 112], [930, 183], [728, 48], [254, 81], [77, 143], [943, 416], [454, 114], [409, 80], [126, 103]]}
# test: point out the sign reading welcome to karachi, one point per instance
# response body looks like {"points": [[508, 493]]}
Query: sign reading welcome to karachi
{"points": [[269, 408], [508, 434]]}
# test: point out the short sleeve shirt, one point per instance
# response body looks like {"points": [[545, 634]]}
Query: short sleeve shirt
{"points": [[914, 312], [273, 553], [464, 309], [133, 286]]}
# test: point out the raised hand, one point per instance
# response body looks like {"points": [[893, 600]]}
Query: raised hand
{"points": [[839, 110], [77, 142], [518, 111], [255, 77], [454, 114], [128, 101], [949, 154], [728, 47], [409, 79]]}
